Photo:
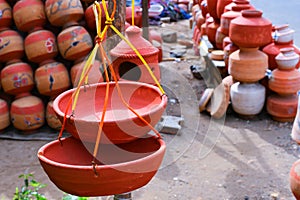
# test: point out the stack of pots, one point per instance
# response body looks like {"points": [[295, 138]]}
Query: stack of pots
{"points": [[248, 64], [284, 81]]}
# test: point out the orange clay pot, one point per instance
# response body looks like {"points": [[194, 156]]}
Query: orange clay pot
{"points": [[212, 9], [248, 64], [285, 82], [120, 124], [282, 108], [119, 168], [51, 118], [295, 179], [90, 17], [27, 113], [4, 114], [6, 17], [11, 46], [238, 2], [221, 6], [211, 31]]}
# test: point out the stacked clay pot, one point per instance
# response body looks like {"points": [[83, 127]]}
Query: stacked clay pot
{"points": [[248, 64], [284, 81]]}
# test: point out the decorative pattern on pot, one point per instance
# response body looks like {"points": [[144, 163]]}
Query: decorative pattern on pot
{"points": [[27, 113], [247, 99], [128, 65], [4, 115], [282, 108], [5, 15], [287, 59], [248, 64], [250, 29], [11, 46]]}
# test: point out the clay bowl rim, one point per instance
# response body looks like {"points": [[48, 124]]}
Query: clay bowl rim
{"points": [[42, 157], [161, 105]]}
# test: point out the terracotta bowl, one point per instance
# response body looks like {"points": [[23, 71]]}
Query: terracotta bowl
{"points": [[122, 168], [120, 124]]}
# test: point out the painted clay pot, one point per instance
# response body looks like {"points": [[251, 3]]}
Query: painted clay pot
{"points": [[238, 2], [6, 15], [29, 14], [17, 78], [287, 59], [221, 6], [94, 75], [63, 13], [51, 118], [74, 43], [212, 9], [11, 46], [4, 115], [247, 99], [282, 108], [27, 113], [40, 46], [248, 64], [120, 168], [120, 124], [250, 29], [52, 78], [285, 82], [230, 15], [294, 178], [127, 64], [211, 31], [90, 17], [283, 34]]}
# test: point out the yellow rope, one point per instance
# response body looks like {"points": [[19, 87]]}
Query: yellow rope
{"points": [[132, 12]]}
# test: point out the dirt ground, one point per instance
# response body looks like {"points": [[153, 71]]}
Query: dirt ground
{"points": [[208, 159]]}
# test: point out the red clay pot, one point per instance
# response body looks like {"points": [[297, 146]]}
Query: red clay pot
{"points": [[29, 14], [250, 29], [120, 124], [63, 13], [4, 115], [6, 15], [287, 59], [211, 31], [127, 65], [17, 78], [90, 17], [137, 16], [203, 7], [285, 82], [229, 49], [120, 168], [295, 179], [74, 43], [40, 46], [282, 108], [221, 6], [212, 9], [11, 46], [219, 38], [238, 2], [51, 118], [27, 113], [52, 78]]}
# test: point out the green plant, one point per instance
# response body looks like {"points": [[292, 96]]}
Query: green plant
{"points": [[72, 197]]}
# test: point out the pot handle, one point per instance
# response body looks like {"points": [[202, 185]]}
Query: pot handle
{"points": [[268, 73]]}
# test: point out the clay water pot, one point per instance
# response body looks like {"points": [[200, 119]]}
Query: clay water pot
{"points": [[120, 124], [283, 34], [203, 7], [248, 64], [127, 64], [238, 2], [27, 113], [29, 14], [282, 108], [94, 76], [212, 9], [11, 46], [229, 49], [74, 43], [17, 78], [287, 59], [51, 118], [63, 13], [285, 82], [4, 115], [52, 78], [295, 179], [137, 16], [221, 6], [250, 29], [40, 46], [211, 31], [120, 168], [247, 99], [6, 15], [219, 38], [199, 20]]}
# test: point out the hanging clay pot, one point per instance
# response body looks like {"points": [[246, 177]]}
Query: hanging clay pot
{"points": [[11, 46], [282, 108], [6, 15], [119, 168], [63, 13], [221, 6], [212, 9], [40, 46], [27, 113], [17, 78], [128, 66], [52, 78], [247, 99], [29, 14], [248, 64], [250, 29], [285, 82], [120, 124], [74, 43], [4, 115], [294, 178], [287, 59], [51, 118], [238, 2]]}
